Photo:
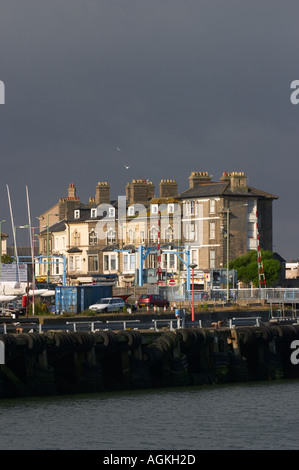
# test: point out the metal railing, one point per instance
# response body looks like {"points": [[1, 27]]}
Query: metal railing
{"points": [[177, 294], [20, 327], [91, 324], [245, 321], [123, 322]]}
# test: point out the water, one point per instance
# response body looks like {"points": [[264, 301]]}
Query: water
{"points": [[224, 417]]}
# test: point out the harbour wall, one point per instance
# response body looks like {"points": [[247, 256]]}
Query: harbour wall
{"points": [[61, 362]]}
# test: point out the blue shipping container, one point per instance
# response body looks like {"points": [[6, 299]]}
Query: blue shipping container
{"points": [[75, 299]]}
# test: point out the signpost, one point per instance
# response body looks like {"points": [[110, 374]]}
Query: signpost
{"points": [[13, 273]]}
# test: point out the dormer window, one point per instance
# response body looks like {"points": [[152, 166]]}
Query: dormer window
{"points": [[77, 214], [170, 208], [111, 212], [93, 213], [131, 210], [154, 208]]}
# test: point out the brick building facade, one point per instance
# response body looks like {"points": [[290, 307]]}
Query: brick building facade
{"points": [[102, 237]]}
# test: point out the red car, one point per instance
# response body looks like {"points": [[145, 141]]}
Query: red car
{"points": [[152, 301]]}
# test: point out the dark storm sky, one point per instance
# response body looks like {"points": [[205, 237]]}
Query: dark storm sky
{"points": [[177, 85]]}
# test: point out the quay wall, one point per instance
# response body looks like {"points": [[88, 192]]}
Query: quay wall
{"points": [[60, 362]]}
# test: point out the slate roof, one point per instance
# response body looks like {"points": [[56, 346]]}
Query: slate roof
{"points": [[222, 189]]}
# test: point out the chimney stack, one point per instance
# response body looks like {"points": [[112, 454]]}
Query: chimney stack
{"points": [[199, 177], [168, 188], [69, 203], [237, 179], [71, 191], [139, 191], [102, 193]]}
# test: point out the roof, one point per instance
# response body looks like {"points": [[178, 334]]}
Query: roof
{"points": [[23, 251], [110, 248], [204, 190], [163, 200], [223, 189], [57, 227]]}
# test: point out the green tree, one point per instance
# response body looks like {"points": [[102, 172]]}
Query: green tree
{"points": [[6, 259], [247, 268]]}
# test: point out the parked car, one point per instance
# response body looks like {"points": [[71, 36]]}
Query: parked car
{"points": [[109, 304], [152, 301]]}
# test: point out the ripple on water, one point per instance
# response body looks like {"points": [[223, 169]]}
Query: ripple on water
{"points": [[245, 416]]}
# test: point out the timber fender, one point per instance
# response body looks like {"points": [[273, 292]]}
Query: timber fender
{"points": [[59, 362]]}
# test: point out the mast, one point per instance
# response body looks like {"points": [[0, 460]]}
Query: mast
{"points": [[32, 250], [14, 233]]}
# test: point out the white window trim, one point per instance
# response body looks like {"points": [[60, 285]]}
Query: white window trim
{"points": [[212, 206], [212, 229], [129, 257], [77, 214], [154, 208], [212, 260], [153, 229], [109, 238], [169, 231], [94, 235], [109, 254], [74, 263], [131, 210], [166, 264], [170, 208]]}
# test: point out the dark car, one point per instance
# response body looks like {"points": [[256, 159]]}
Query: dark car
{"points": [[152, 301]]}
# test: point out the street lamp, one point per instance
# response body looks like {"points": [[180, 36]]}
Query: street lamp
{"points": [[1, 222], [48, 249], [227, 247], [192, 266]]}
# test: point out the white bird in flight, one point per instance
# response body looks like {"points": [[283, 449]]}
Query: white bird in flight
{"points": [[127, 167]]}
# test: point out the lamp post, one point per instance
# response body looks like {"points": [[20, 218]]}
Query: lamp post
{"points": [[33, 264], [48, 248], [192, 266], [1, 222], [227, 247], [227, 255]]}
